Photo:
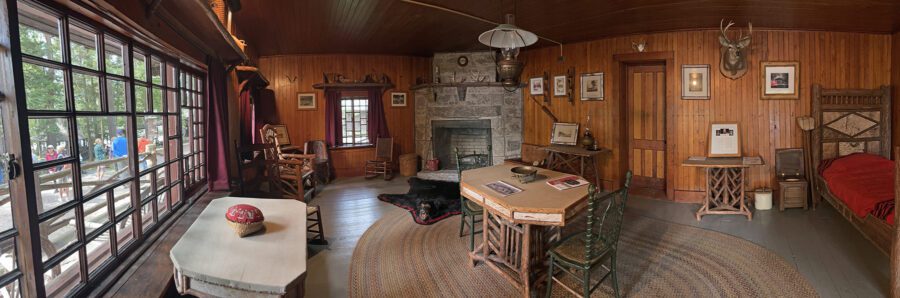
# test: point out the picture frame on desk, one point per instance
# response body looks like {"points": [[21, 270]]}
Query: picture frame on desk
{"points": [[564, 134], [724, 140]]}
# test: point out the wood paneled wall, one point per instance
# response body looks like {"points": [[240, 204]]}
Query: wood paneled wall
{"points": [[289, 75], [895, 89], [835, 60]]}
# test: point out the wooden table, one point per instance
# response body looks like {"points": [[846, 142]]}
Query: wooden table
{"points": [[724, 184], [211, 260], [564, 158], [519, 228]]}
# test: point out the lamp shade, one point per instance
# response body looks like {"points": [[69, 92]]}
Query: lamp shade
{"points": [[507, 36]]}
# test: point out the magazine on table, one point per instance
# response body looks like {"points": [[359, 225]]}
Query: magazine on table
{"points": [[567, 182], [503, 188]]}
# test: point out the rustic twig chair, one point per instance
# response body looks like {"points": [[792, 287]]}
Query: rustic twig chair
{"points": [[282, 136], [584, 251], [471, 212], [314, 230], [291, 174], [383, 164], [323, 159]]}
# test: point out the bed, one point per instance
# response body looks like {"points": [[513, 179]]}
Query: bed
{"points": [[851, 163]]}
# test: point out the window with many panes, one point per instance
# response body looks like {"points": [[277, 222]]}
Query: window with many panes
{"points": [[193, 129], [355, 121], [107, 121]]}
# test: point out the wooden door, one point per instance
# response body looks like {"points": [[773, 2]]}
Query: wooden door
{"points": [[646, 125]]}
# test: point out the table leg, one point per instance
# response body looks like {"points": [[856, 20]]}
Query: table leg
{"points": [[525, 272]]}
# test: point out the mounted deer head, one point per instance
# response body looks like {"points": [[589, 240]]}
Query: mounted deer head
{"points": [[734, 53]]}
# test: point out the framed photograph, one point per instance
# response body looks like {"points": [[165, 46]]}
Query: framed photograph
{"points": [[559, 86], [592, 86], [306, 101], [398, 99], [779, 80], [564, 134], [536, 85], [695, 81], [724, 140]]}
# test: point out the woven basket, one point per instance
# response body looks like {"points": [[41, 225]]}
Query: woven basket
{"points": [[218, 7], [242, 229]]}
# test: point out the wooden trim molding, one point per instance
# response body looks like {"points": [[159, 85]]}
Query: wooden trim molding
{"points": [[622, 63]]}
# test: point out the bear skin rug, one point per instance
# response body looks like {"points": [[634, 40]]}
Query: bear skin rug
{"points": [[428, 201]]}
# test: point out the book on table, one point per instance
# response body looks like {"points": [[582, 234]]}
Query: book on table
{"points": [[567, 182], [503, 188]]}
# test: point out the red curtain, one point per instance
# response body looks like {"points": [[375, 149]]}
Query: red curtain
{"points": [[333, 133], [377, 123], [217, 126]]}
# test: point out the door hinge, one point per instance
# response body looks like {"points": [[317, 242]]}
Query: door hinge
{"points": [[12, 167]]}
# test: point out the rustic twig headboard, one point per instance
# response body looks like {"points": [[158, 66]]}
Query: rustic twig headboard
{"points": [[850, 121]]}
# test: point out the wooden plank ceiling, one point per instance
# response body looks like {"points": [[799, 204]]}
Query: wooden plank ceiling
{"points": [[276, 27]]}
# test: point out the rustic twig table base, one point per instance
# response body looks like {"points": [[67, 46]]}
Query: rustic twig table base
{"points": [[519, 228], [725, 192]]}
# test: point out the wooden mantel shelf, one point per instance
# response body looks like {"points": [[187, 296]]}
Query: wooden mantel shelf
{"points": [[463, 84], [353, 85]]}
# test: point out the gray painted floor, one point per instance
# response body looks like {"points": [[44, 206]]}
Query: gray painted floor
{"points": [[828, 251]]}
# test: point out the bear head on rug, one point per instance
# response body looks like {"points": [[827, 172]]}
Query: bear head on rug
{"points": [[428, 201]]}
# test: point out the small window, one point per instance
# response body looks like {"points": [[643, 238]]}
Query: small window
{"points": [[355, 121]]}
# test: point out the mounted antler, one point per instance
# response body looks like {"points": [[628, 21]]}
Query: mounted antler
{"points": [[734, 52], [724, 30]]}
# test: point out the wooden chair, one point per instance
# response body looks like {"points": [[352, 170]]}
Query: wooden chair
{"points": [[314, 230], [250, 168], [323, 159], [291, 174], [471, 212], [383, 164], [584, 251], [282, 136]]}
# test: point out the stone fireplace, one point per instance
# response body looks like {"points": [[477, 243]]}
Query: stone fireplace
{"points": [[469, 136], [472, 117]]}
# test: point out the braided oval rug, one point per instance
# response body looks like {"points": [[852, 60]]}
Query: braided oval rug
{"points": [[399, 258]]}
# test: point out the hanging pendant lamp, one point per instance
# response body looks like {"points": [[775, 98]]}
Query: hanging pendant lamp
{"points": [[509, 39], [507, 36]]}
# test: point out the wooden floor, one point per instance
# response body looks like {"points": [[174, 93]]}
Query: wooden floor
{"points": [[833, 256]]}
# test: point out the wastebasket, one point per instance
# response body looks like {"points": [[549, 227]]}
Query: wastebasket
{"points": [[762, 198], [409, 164]]}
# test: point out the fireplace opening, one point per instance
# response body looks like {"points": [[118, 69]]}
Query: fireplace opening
{"points": [[470, 136]]}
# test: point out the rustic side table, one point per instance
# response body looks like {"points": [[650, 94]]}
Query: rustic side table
{"points": [[574, 160], [724, 184]]}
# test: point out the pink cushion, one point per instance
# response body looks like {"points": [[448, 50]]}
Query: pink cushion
{"points": [[244, 213]]}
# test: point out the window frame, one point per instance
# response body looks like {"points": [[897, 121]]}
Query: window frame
{"points": [[353, 99], [87, 274]]}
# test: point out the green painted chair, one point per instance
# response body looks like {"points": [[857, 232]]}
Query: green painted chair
{"points": [[471, 212], [581, 253]]}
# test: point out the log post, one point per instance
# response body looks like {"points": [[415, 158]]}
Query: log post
{"points": [[895, 245]]}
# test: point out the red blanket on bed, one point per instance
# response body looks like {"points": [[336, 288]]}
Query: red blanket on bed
{"points": [[862, 181]]}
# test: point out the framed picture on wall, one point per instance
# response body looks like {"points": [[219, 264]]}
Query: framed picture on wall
{"points": [[779, 80], [695, 81], [306, 101], [559, 86], [724, 140], [564, 134], [398, 99], [536, 86], [592, 86]]}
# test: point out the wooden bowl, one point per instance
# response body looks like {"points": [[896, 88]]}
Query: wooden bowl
{"points": [[524, 174]]}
